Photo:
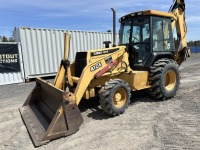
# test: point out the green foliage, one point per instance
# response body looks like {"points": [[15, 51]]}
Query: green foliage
{"points": [[8, 39], [5, 39], [194, 43], [11, 39]]}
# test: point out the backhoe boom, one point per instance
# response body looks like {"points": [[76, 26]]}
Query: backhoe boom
{"points": [[182, 50]]}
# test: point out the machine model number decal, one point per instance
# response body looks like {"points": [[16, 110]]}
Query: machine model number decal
{"points": [[96, 66], [102, 52]]}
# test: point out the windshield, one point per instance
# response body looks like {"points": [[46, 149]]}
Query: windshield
{"points": [[125, 32], [136, 34], [140, 31]]}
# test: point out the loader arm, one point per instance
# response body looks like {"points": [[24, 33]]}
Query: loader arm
{"points": [[181, 49], [88, 73], [59, 81]]}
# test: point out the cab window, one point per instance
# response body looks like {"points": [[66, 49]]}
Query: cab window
{"points": [[162, 39]]}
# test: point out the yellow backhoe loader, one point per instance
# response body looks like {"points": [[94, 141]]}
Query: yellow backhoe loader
{"points": [[148, 57]]}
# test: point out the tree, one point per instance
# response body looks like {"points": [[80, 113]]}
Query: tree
{"points": [[11, 39], [4, 39], [194, 43], [8, 39]]}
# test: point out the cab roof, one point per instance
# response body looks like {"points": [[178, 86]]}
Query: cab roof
{"points": [[148, 13]]}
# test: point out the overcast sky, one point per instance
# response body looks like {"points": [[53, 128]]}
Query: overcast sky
{"points": [[92, 15]]}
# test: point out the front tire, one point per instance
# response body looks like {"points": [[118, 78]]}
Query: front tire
{"points": [[115, 97], [164, 78]]}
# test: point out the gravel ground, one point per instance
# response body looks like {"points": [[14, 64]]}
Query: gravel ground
{"points": [[146, 124]]}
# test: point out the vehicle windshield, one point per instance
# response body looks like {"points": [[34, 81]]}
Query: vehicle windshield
{"points": [[135, 31], [136, 34]]}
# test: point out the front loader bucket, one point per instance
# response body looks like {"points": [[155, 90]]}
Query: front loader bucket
{"points": [[50, 113]]}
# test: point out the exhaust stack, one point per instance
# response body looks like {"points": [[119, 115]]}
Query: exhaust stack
{"points": [[114, 27]]}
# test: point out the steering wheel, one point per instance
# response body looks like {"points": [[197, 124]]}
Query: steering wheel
{"points": [[134, 39]]}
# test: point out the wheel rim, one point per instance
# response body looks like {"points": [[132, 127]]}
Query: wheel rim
{"points": [[119, 98], [170, 80]]}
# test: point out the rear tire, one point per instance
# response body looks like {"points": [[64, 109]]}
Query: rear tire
{"points": [[164, 78], [115, 97]]}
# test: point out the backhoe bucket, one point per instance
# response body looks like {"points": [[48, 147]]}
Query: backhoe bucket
{"points": [[50, 113]]}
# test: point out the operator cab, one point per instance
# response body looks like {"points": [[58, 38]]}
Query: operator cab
{"points": [[146, 38]]}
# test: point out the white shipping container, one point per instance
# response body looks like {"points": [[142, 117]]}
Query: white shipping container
{"points": [[43, 49]]}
